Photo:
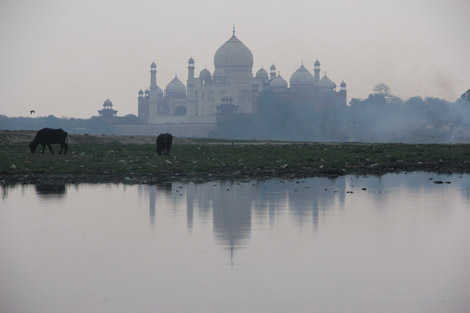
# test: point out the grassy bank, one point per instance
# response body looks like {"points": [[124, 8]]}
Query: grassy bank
{"points": [[201, 159]]}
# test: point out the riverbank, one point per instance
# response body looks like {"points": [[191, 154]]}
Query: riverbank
{"points": [[133, 160]]}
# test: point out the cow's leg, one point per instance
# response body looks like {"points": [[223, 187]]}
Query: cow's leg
{"points": [[61, 148], [43, 147], [66, 148], [50, 148]]}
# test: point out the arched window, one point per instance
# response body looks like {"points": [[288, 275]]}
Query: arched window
{"points": [[181, 110]]}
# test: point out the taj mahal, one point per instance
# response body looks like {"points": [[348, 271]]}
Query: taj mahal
{"points": [[231, 88]]}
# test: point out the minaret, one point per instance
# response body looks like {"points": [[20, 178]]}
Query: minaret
{"points": [[142, 110], [343, 100], [272, 72], [153, 91], [191, 101], [316, 70], [153, 75], [190, 71]]}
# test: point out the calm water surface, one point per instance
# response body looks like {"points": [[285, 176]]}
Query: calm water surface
{"points": [[311, 245]]}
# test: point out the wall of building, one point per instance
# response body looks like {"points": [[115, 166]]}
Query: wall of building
{"points": [[178, 130]]}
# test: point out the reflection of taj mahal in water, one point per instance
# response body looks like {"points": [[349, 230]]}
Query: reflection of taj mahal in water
{"points": [[230, 88], [232, 206]]}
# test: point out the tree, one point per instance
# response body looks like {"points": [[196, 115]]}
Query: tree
{"points": [[465, 96], [381, 89]]}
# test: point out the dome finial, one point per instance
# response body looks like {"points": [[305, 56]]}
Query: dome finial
{"points": [[233, 30]]}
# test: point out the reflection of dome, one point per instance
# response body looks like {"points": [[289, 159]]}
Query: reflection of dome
{"points": [[205, 74], [302, 77], [278, 82], [233, 54], [175, 87], [326, 83], [261, 73], [219, 73]]}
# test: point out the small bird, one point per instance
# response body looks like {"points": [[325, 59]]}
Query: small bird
{"points": [[32, 111]]}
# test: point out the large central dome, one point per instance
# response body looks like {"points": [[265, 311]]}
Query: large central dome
{"points": [[233, 55]]}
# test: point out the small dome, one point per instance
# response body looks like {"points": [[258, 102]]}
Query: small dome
{"points": [[175, 87], [343, 84], [108, 103], [301, 78], [153, 65], [191, 60], [273, 67], [278, 82], [233, 54], [326, 83], [159, 91], [219, 73], [261, 73], [147, 92], [141, 92], [205, 74], [317, 63]]}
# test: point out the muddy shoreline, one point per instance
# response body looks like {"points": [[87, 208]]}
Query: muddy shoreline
{"points": [[132, 160], [158, 178]]}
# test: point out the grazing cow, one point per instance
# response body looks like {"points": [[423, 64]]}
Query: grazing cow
{"points": [[164, 143], [48, 136]]}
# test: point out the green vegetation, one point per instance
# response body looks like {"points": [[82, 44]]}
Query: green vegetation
{"points": [[203, 159]]}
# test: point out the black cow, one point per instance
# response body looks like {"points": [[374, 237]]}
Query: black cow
{"points": [[164, 143], [48, 136]]}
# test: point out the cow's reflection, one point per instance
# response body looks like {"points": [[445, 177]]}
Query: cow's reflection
{"points": [[51, 190]]}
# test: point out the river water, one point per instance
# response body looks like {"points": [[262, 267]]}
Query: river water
{"points": [[395, 243]]}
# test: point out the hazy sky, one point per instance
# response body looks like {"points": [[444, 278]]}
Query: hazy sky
{"points": [[66, 57]]}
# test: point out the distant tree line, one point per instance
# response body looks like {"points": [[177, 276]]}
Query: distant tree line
{"points": [[381, 117], [93, 125]]}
